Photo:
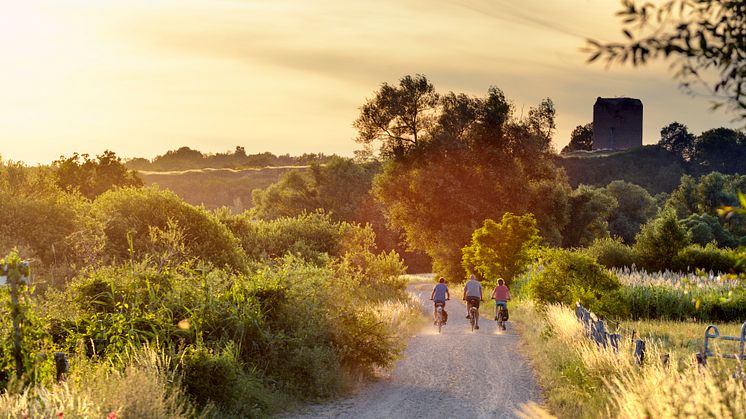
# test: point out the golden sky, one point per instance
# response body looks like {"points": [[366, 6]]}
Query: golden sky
{"points": [[141, 77]]}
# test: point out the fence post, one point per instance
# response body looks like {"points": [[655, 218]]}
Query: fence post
{"points": [[61, 365], [614, 339], [599, 334], [640, 351]]}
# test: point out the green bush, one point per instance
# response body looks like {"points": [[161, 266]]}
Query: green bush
{"points": [[612, 253], [708, 258], [133, 217], [659, 241], [312, 236], [568, 277], [220, 379]]}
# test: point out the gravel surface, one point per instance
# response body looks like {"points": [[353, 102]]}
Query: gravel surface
{"points": [[458, 373]]}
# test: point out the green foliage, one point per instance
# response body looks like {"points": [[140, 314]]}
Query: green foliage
{"points": [[129, 216], [568, 277], [502, 250], [611, 253], [708, 258], [722, 150], [590, 209], [705, 228], [45, 223], [635, 206], [222, 380], [473, 161], [659, 241], [33, 338], [93, 177], [581, 138], [675, 137], [311, 236], [651, 167], [663, 302]]}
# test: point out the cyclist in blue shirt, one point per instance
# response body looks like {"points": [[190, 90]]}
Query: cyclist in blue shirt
{"points": [[439, 296]]}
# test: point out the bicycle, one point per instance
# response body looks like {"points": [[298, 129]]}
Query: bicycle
{"points": [[473, 314], [500, 316], [439, 321]]}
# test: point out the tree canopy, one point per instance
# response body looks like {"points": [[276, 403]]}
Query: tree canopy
{"points": [[473, 160], [581, 138]]}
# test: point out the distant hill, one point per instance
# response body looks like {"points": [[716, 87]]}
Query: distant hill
{"points": [[215, 188], [651, 167]]}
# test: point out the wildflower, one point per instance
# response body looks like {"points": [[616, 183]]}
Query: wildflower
{"points": [[60, 415], [111, 415]]}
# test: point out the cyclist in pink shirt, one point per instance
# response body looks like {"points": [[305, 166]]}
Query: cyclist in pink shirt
{"points": [[501, 295]]}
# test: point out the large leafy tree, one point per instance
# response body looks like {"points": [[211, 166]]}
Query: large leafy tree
{"points": [[399, 117], [92, 177], [475, 161], [590, 209], [676, 138], [722, 150], [705, 40], [635, 207], [581, 138], [659, 241]]}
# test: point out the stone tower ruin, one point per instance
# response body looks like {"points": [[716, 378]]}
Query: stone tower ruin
{"points": [[617, 123]]}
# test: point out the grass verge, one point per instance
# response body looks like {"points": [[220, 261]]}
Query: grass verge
{"points": [[580, 381]]}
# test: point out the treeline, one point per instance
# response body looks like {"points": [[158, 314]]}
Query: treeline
{"points": [[186, 158], [658, 167]]}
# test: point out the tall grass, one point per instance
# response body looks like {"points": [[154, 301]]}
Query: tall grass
{"points": [[582, 380], [145, 387]]}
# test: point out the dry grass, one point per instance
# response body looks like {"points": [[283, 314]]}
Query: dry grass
{"points": [[145, 387], [581, 380]]}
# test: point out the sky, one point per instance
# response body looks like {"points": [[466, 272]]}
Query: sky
{"points": [[141, 77]]}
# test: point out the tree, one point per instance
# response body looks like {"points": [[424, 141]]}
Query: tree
{"points": [[722, 150], [635, 206], [590, 209], [675, 137], [501, 250], [659, 241], [478, 163], [93, 177], [703, 38], [399, 117], [581, 138]]}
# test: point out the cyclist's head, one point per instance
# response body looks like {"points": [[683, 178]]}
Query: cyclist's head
{"points": [[441, 280], [472, 277], [500, 282]]}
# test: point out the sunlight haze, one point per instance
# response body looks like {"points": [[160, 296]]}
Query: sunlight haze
{"points": [[144, 77]]}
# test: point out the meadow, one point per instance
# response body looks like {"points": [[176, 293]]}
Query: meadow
{"points": [[582, 380]]}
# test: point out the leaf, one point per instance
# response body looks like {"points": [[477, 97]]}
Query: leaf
{"points": [[742, 199], [627, 33]]}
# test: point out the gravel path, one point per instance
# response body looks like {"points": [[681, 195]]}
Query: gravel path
{"points": [[458, 373]]}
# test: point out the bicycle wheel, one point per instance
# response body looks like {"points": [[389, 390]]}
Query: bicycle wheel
{"points": [[440, 319]]}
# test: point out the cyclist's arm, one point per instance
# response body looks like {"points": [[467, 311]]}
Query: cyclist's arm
{"points": [[432, 294], [448, 295], [508, 294]]}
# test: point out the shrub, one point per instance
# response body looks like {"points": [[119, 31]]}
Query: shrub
{"points": [[312, 236], [133, 213], [569, 276], [612, 253], [708, 258], [220, 378]]}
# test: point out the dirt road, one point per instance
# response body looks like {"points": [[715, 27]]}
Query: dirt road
{"points": [[458, 373]]}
